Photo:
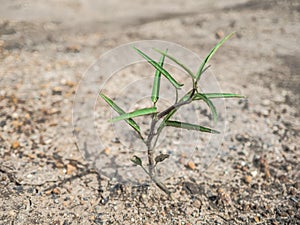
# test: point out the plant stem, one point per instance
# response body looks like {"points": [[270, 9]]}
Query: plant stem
{"points": [[157, 182], [148, 142], [150, 149]]}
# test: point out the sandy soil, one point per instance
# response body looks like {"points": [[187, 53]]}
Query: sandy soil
{"points": [[46, 46]]}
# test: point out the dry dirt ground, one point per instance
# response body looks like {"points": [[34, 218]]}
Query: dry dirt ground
{"points": [[46, 46]]}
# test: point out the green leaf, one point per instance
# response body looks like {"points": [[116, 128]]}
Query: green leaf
{"points": [[211, 53], [199, 96], [158, 67], [139, 112], [177, 62], [189, 126], [223, 95], [120, 111], [161, 158], [136, 160], [156, 82]]}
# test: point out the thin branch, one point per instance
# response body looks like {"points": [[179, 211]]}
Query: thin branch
{"points": [[176, 106]]}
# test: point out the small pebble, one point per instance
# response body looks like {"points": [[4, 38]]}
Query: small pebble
{"points": [[288, 168], [254, 173], [191, 165], [11, 213], [56, 191], [15, 116], [266, 102], [247, 179], [292, 191], [56, 91], [197, 203], [73, 48], [15, 145], [31, 156], [92, 218], [116, 140], [107, 151], [265, 112], [219, 34], [59, 165], [70, 169]]}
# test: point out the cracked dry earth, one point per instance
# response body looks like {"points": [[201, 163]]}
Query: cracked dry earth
{"points": [[46, 46]]}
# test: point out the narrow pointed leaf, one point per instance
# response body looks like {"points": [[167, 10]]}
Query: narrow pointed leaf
{"points": [[222, 95], [136, 160], [120, 111], [177, 62], [139, 112], [189, 126], [156, 82], [161, 158], [199, 96], [211, 53], [205, 69], [161, 69]]}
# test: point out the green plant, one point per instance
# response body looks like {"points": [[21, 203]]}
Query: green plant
{"points": [[160, 120]]}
